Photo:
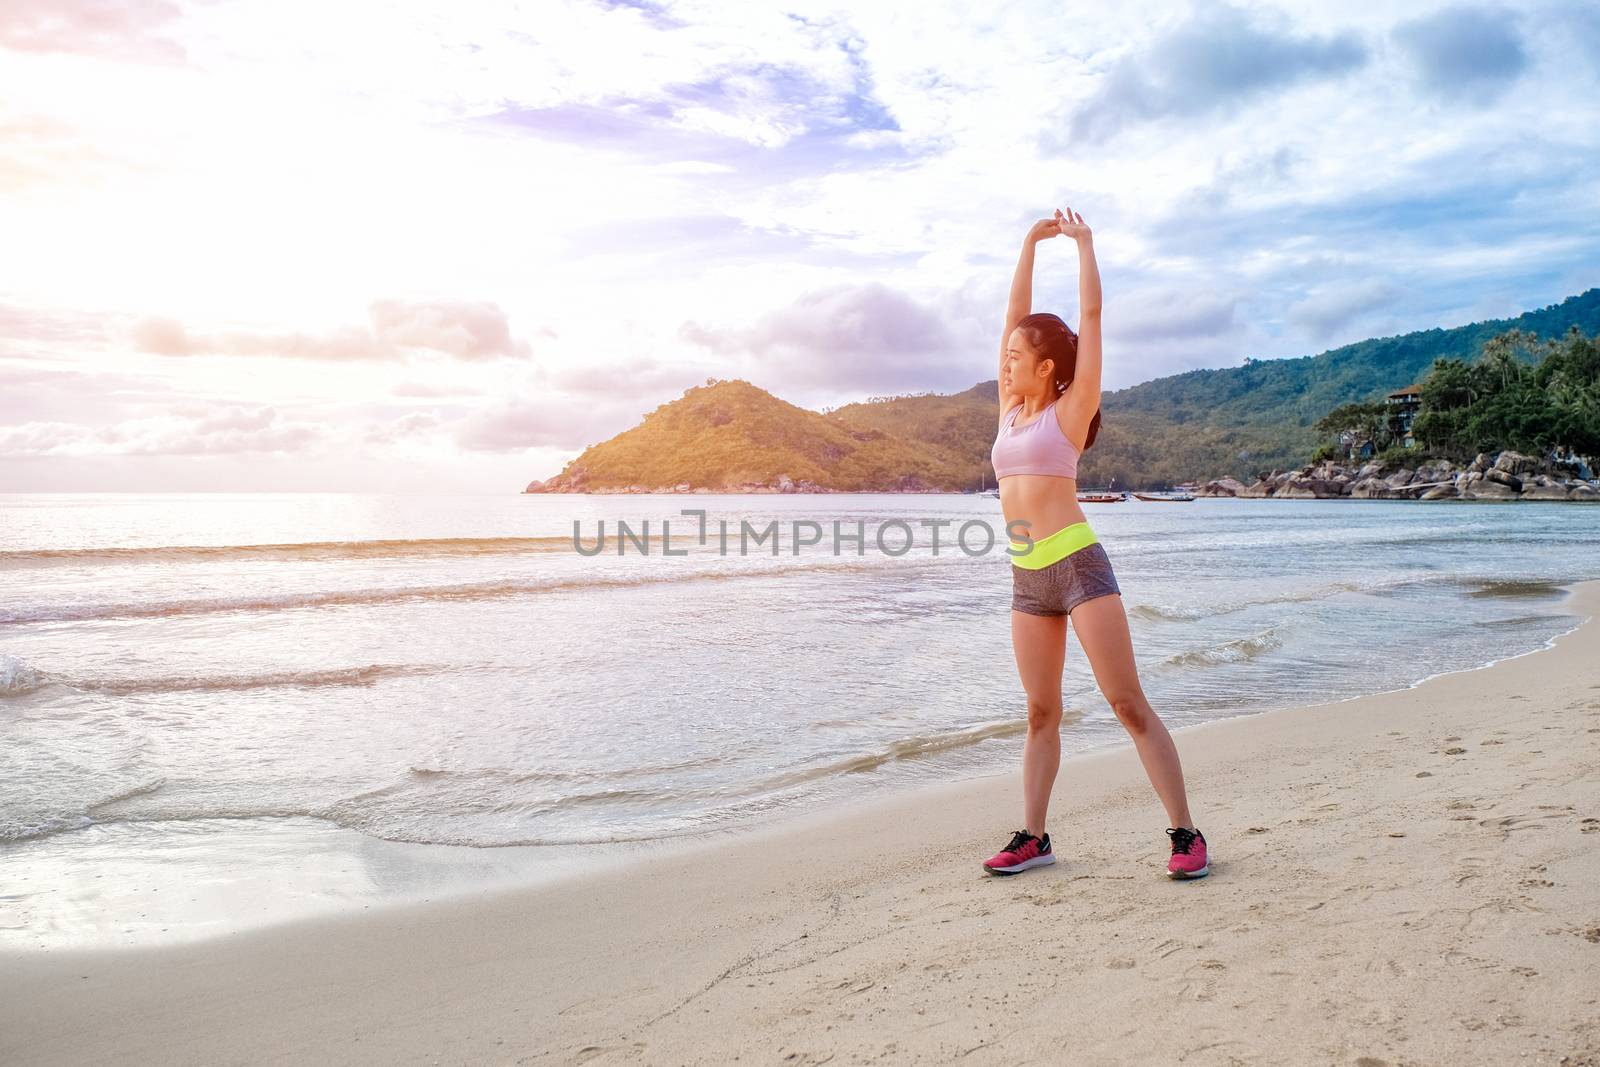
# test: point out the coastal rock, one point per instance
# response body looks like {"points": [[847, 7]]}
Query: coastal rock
{"points": [[1372, 489], [1370, 470], [535, 486], [1440, 492], [1583, 491], [1399, 478], [1258, 490], [786, 484], [1295, 489], [1515, 463], [1544, 492], [1481, 463], [1222, 487], [1489, 489], [1505, 478], [1303, 488]]}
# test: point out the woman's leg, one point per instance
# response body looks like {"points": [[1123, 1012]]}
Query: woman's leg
{"points": [[1102, 628], [1040, 643]]}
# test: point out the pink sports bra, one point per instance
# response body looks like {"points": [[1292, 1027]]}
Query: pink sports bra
{"points": [[1037, 448]]}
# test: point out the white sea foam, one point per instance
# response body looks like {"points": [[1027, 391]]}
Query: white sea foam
{"points": [[16, 677]]}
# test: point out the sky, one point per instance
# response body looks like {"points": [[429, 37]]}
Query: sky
{"points": [[285, 245]]}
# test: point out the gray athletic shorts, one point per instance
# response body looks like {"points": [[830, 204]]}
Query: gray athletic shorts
{"points": [[1066, 583]]}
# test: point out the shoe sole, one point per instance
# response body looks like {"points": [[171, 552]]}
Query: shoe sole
{"points": [[1182, 876], [1037, 861]]}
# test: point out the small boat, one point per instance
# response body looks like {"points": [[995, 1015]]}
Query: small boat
{"points": [[1109, 495], [1174, 497]]}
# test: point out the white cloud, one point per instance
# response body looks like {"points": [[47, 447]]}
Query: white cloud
{"points": [[226, 430], [831, 198]]}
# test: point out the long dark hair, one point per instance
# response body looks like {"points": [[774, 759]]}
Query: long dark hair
{"points": [[1053, 339]]}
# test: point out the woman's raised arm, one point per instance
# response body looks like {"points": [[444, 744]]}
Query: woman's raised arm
{"points": [[1019, 305], [1083, 395]]}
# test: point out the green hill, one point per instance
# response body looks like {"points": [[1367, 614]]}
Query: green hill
{"points": [[732, 435], [1200, 424], [1230, 420]]}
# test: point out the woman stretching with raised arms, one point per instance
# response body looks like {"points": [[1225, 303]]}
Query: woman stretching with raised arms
{"points": [[1049, 415]]}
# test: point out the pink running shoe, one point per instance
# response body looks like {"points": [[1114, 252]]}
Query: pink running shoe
{"points": [[1188, 854], [1023, 852]]}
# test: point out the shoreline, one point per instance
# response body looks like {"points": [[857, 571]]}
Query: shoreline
{"points": [[265, 872], [979, 492], [1370, 849]]}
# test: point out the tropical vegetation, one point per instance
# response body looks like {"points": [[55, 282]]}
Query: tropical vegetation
{"points": [[1486, 383]]}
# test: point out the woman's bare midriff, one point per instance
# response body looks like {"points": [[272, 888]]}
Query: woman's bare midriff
{"points": [[1046, 503]]}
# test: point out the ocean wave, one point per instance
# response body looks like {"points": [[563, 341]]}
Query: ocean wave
{"points": [[1236, 651], [1523, 622], [1513, 588], [17, 677], [347, 676], [26, 817], [497, 807], [309, 550], [1195, 612], [410, 594]]}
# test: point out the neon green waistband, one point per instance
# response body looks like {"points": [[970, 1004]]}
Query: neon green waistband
{"points": [[1054, 548]]}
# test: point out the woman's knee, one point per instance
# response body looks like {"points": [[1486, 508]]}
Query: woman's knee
{"points": [[1044, 716], [1132, 710]]}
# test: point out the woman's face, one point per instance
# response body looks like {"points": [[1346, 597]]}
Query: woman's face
{"points": [[1024, 374]]}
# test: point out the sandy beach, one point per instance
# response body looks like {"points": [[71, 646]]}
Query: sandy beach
{"points": [[1408, 878]]}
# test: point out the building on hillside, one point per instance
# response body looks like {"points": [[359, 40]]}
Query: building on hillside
{"points": [[1356, 446], [1403, 406]]}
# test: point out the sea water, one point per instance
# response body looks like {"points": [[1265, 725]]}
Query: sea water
{"points": [[216, 709]]}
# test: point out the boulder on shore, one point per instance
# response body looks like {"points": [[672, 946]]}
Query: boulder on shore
{"points": [[1515, 463], [1221, 487], [1489, 489], [1373, 488], [1544, 492], [1505, 478]]}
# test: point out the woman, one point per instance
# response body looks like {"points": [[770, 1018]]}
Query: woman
{"points": [[1049, 414]]}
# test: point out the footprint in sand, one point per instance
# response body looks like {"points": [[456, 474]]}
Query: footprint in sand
{"points": [[1456, 751], [589, 1052]]}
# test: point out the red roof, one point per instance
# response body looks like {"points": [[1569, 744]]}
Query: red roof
{"points": [[1408, 391]]}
